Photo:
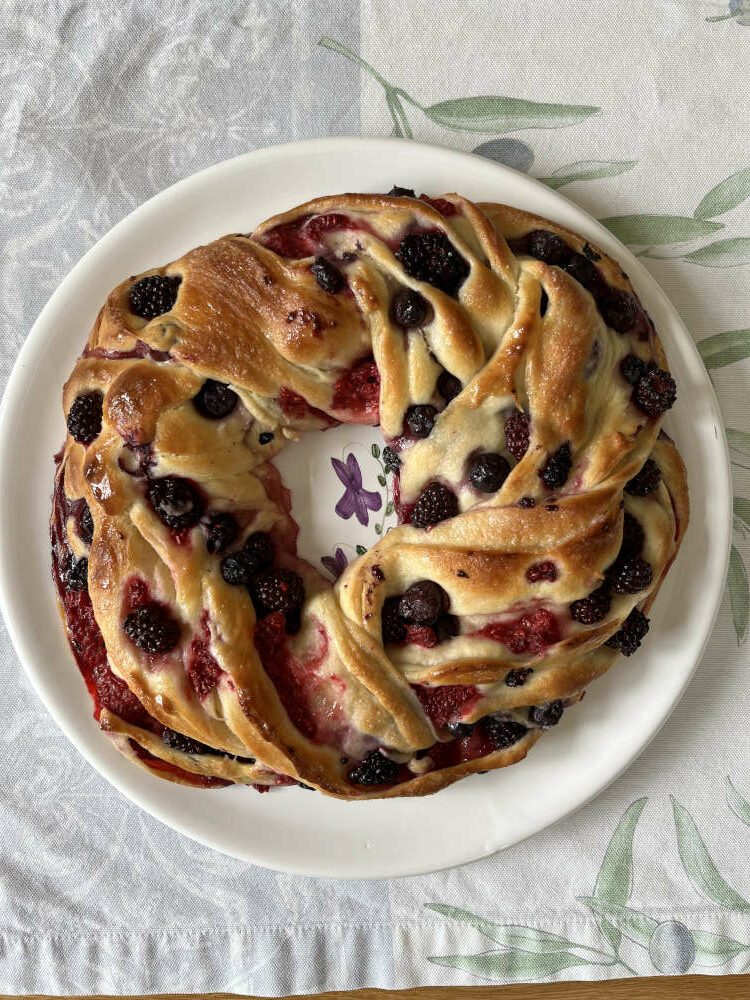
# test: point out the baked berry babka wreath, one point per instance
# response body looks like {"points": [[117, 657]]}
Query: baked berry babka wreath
{"points": [[519, 386]]}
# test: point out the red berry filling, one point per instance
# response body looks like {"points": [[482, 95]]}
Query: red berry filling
{"points": [[442, 205], [202, 669], [445, 704], [357, 394], [533, 632], [304, 237]]}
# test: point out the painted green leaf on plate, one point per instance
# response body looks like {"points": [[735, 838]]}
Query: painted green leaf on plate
{"points": [[725, 348], [657, 230], [361, 550], [492, 115], [375, 449], [739, 594], [739, 806], [511, 935], [723, 253], [634, 925], [587, 170], [699, 866], [511, 966], [389, 507], [615, 879], [739, 447], [728, 194]]}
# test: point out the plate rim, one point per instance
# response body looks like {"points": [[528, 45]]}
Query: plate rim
{"points": [[649, 290]]}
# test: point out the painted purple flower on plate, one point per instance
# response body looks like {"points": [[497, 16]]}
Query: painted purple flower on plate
{"points": [[355, 500], [337, 563]]}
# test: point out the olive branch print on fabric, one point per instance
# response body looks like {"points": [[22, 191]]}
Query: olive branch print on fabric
{"points": [[666, 946], [491, 115]]}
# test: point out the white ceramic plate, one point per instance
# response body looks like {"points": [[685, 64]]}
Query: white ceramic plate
{"points": [[291, 829]]}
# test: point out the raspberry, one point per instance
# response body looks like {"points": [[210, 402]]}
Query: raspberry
{"points": [[420, 420], [85, 417], [375, 769], [77, 576], [542, 571], [86, 525], [632, 368], [645, 481], [410, 309], [517, 434], [592, 609], [655, 393], [448, 386], [423, 603], [547, 715], [632, 538], [215, 400], [547, 247], [278, 590], [221, 531], [392, 625], [488, 472], [630, 577], [431, 257], [434, 504], [555, 470], [176, 502], [327, 275], [153, 296], [152, 628], [618, 309], [503, 733], [391, 461], [518, 677], [631, 632]]}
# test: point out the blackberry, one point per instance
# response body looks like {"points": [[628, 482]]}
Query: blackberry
{"points": [[632, 368], [518, 677], [399, 192], [618, 309], [488, 472], [547, 247], [86, 525], [152, 628], [527, 502], [503, 733], [327, 275], [176, 502], [423, 603], [85, 417], [391, 461], [431, 257], [420, 420], [374, 769], [460, 729], [448, 386], [592, 609], [184, 744], [265, 437], [542, 571], [215, 400], [631, 576], [547, 715], [632, 538], [655, 393], [434, 504], [645, 481], [258, 549], [555, 470], [392, 625], [517, 434], [77, 575], [630, 634], [409, 308], [448, 626], [581, 268], [221, 531], [278, 590], [153, 296]]}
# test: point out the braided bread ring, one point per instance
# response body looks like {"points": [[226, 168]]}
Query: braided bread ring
{"points": [[544, 562]]}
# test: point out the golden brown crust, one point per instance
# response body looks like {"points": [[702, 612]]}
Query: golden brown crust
{"points": [[519, 334]]}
